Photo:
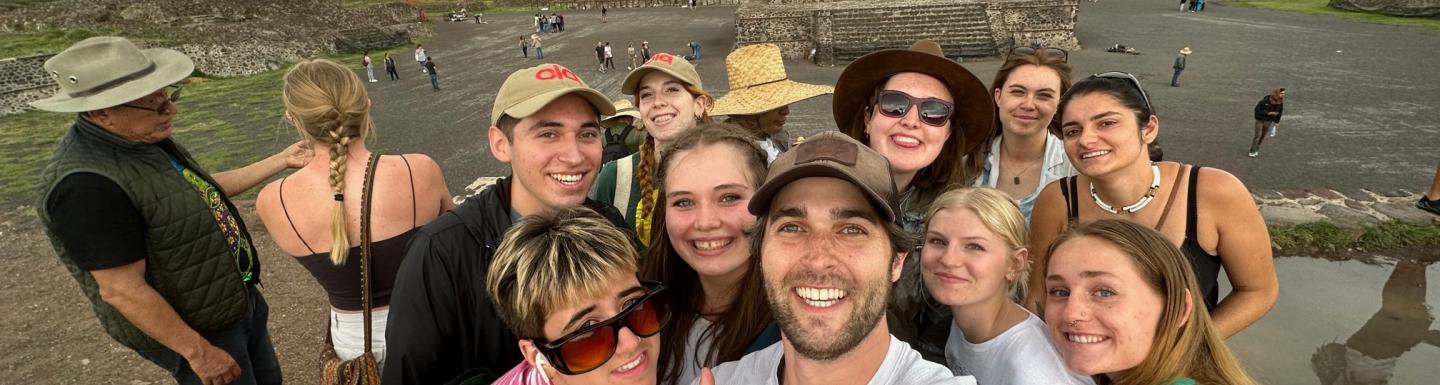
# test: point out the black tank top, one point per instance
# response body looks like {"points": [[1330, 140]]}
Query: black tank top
{"points": [[1205, 265], [342, 283]]}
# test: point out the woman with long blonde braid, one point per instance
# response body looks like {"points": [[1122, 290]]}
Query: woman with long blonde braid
{"points": [[328, 105], [671, 100]]}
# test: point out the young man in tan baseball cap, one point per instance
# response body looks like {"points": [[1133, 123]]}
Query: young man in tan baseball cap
{"points": [[829, 250], [442, 325]]}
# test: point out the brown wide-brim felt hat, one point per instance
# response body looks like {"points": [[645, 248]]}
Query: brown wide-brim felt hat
{"points": [[973, 120]]}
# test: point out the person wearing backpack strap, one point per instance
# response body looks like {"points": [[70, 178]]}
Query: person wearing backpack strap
{"points": [[623, 131]]}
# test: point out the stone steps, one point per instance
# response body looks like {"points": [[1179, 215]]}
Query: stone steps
{"points": [[960, 29]]}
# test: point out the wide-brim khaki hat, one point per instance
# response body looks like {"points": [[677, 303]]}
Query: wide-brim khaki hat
{"points": [[759, 83], [1185, 51], [529, 90], [107, 71], [972, 122], [663, 62], [623, 107], [836, 155]]}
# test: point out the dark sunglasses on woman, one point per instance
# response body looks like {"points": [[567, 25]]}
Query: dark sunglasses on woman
{"points": [[896, 104], [592, 346]]}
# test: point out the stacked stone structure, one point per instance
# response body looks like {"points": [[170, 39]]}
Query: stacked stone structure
{"points": [[845, 30], [595, 4], [225, 38], [1410, 8]]}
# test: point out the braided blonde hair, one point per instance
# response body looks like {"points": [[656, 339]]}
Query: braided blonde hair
{"points": [[329, 105]]}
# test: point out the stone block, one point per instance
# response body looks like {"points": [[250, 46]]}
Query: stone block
{"points": [[1406, 212], [1269, 195], [1408, 8], [1346, 217], [1284, 215]]}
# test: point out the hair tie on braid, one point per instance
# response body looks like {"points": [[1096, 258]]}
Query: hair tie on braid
{"points": [[339, 197]]}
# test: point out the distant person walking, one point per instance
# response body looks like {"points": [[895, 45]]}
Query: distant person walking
{"points": [[600, 54], [369, 67], [1267, 118], [644, 52], [390, 67], [603, 11], [524, 48], [420, 56], [695, 49], [434, 79], [630, 49], [535, 42], [609, 56], [560, 21], [1179, 66]]}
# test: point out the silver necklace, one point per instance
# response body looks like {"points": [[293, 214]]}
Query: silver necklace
{"points": [[1131, 209]]}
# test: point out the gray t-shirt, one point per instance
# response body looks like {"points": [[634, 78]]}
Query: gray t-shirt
{"points": [[902, 365], [1022, 355]]}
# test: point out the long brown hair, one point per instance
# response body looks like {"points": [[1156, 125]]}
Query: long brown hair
{"points": [[647, 161], [1183, 347], [1016, 60], [747, 316], [328, 103], [952, 168]]}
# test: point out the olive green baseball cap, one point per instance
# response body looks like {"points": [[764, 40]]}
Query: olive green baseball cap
{"points": [[836, 155], [529, 90], [670, 64]]}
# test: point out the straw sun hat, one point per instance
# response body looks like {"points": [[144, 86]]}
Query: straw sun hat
{"points": [[1185, 51], [107, 71], [623, 107], [758, 82]]}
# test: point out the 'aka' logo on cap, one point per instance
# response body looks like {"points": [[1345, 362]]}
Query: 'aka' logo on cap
{"points": [[556, 72], [664, 57]]}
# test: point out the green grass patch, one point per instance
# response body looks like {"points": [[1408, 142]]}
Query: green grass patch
{"points": [[1321, 236], [225, 123], [1322, 7], [31, 43]]}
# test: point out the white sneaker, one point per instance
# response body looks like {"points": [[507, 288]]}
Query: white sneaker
{"points": [[373, 80], [1254, 154], [1272, 131]]}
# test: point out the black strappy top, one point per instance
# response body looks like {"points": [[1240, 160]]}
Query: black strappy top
{"points": [[1205, 265], [342, 283]]}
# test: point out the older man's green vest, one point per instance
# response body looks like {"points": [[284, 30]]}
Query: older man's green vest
{"points": [[188, 260]]}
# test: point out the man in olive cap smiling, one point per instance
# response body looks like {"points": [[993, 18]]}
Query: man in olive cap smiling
{"points": [[151, 237]]}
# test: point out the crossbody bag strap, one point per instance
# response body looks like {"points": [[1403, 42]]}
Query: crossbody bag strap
{"points": [[624, 171], [366, 199]]}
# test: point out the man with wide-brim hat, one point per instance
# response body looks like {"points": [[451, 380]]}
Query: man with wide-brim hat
{"points": [[932, 119], [625, 125], [761, 94], [443, 327], [152, 238]]}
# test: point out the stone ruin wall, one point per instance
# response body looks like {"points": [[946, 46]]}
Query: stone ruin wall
{"points": [[595, 4], [798, 26], [223, 42]]}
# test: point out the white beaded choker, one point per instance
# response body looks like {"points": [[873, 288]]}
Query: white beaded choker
{"points": [[1131, 209]]}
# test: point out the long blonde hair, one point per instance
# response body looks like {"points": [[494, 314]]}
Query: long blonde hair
{"points": [[328, 103], [647, 161], [1183, 347], [1000, 215]]}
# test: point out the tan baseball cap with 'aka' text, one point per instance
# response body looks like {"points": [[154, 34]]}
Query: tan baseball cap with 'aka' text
{"points": [[835, 155], [529, 90]]}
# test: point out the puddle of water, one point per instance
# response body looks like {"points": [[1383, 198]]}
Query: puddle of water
{"points": [[1357, 323]]}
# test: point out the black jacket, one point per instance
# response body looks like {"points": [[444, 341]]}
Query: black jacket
{"points": [[442, 322], [1263, 108]]}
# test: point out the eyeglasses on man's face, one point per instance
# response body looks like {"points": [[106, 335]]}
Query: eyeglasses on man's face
{"points": [[158, 104]]}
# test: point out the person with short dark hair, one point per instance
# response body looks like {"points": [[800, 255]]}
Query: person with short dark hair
{"points": [[390, 67], [151, 237], [434, 77], [443, 325]]}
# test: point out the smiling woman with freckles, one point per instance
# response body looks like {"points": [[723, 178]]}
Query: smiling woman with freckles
{"points": [[704, 254], [1122, 306], [931, 119], [671, 100], [1106, 124], [1024, 156]]}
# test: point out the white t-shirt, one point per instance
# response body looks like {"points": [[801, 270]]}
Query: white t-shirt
{"points": [[690, 367], [902, 365], [1023, 355]]}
